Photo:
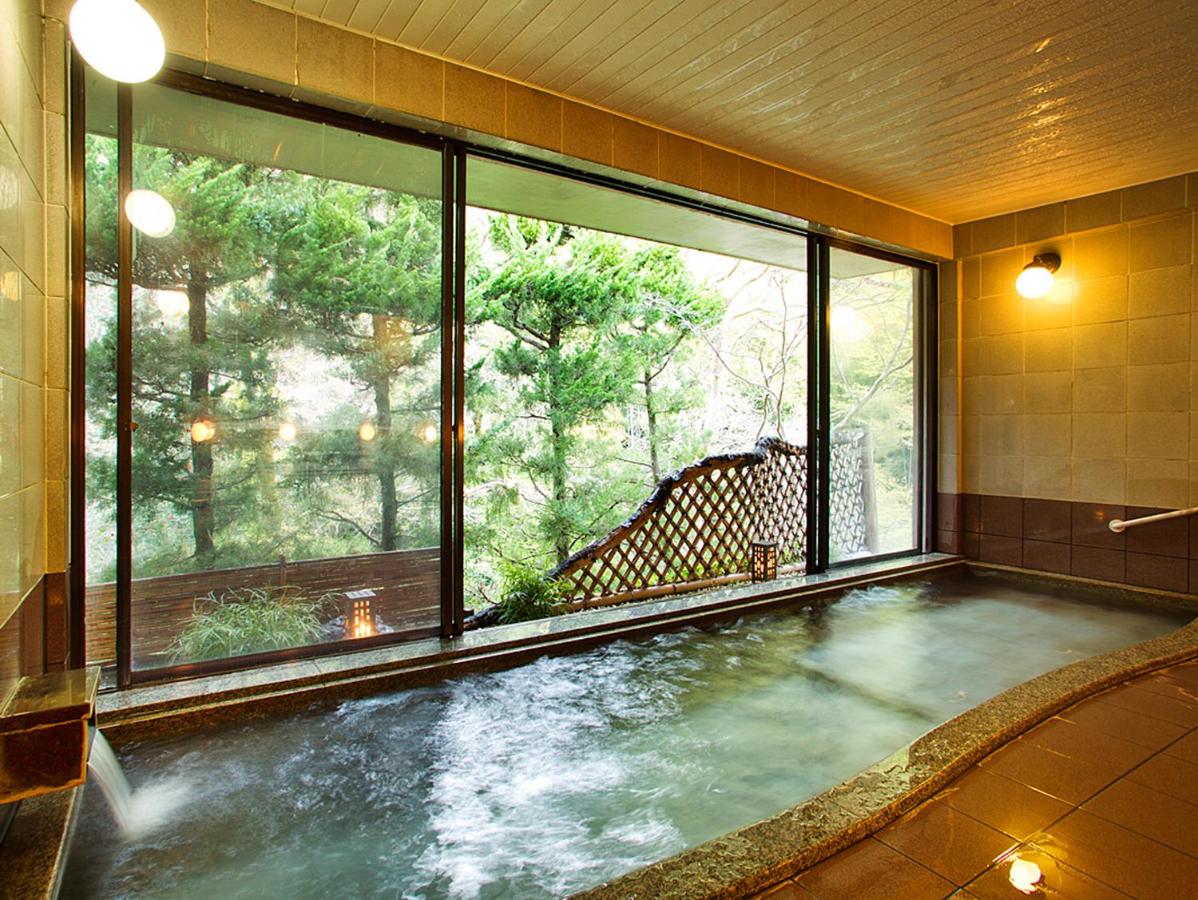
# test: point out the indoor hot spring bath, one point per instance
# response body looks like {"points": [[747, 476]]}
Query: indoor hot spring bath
{"points": [[562, 773]]}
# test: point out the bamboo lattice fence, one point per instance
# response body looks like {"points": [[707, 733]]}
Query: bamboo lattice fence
{"points": [[696, 528]]}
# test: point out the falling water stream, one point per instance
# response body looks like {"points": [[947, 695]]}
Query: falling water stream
{"points": [[104, 770]]}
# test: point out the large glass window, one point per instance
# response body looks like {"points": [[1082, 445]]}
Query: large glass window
{"points": [[621, 349], [632, 374], [286, 372]]}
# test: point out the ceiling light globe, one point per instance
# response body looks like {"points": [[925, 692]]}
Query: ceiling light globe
{"points": [[118, 38], [150, 213]]}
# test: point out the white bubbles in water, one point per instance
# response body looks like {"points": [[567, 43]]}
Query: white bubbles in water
{"points": [[154, 804]]}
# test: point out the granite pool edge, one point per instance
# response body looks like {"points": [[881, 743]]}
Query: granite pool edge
{"points": [[34, 850], [761, 855]]}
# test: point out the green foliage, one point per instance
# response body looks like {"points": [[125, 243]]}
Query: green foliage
{"points": [[580, 325], [252, 620], [528, 595]]}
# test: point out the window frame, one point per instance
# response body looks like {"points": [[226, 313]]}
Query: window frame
{"points": [[455, 154]]}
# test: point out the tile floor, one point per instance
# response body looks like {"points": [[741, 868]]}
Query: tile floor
{"points": [[1102, 798]]}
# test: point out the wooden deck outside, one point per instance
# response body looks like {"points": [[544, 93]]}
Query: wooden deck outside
{"points": [[406, 586]]}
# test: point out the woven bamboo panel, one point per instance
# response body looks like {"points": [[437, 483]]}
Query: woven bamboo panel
{"points": [[698, 523]]}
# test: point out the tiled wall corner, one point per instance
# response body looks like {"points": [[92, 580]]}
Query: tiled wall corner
{"points": [[1089, 395]]}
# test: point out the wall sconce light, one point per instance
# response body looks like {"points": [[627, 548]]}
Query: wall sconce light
{"points": [[118, 38], [1036, 278], [763, 560]]}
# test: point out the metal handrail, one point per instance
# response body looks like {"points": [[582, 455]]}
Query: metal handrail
{"points": [[1119, 525]]}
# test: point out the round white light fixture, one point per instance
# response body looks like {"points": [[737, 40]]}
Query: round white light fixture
{"points": [[287, 431], [118, 38], [1036, 278], [367, 432], [150, 212]]}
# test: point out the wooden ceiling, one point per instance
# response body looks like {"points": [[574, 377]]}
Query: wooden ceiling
{"points": [[957, 109]]}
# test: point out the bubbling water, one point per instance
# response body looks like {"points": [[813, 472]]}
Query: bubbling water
{"points": [[557, 775]]}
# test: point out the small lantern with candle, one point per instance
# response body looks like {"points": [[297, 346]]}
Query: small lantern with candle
{"points": [[763, 561]]}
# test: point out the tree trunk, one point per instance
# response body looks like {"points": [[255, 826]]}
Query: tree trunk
{"points": [[557, 444], [384, 462], [202, 519], [651, 415]]}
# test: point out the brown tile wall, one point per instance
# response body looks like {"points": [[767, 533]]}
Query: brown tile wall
{"points": [[276, 50], [1071, 538]]}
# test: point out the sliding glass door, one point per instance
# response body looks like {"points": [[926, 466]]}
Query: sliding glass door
{"points": [[872, 401]]}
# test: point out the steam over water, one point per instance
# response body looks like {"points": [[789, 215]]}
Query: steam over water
{"points": [[560, 774]]}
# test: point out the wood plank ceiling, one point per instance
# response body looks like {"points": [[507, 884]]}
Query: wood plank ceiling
{"points": [[957, 109]]}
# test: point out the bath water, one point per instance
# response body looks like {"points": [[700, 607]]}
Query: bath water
{"points": [[565, 772]]}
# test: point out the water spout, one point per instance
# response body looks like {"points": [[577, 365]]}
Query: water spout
{"points": [[105, 769], [135, 812]]}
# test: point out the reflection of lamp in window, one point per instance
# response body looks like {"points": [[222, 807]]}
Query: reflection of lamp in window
{"points": [[848, 324], [1036, 279], [202, 430], [429, 433], [367, 432], [172, 304], [361, 620], [763, 562], [150, 213], [119, 38], [287, 431]]}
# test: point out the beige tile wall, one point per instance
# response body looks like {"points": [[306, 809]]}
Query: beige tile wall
{"points": [[33, 307], [1091, 393], [250, 44]]}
